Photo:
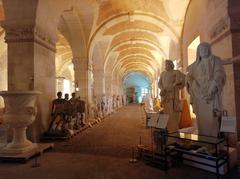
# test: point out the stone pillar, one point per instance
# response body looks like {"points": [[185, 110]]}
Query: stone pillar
{"points": [[115, 85], [81, 77], [99, 83], [31, 66], [108, 84]]}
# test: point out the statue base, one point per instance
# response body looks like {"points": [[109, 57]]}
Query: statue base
{"points": [[14, 150], [26, 155]]}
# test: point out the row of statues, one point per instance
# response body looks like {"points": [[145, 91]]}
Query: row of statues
{"points": [[105, 105], [204, 81], [69, 114]]}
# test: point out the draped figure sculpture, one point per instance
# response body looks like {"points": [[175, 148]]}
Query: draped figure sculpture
{"points": [[205, 80], [170, 82]]}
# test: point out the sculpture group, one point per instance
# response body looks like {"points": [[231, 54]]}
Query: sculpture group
{"points": [[68, 115], [204, 82]]}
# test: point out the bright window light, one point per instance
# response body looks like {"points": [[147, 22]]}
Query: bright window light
{"points": [[192, 50], [66, 86]]}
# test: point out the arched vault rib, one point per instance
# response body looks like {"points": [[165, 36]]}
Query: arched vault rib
{"points": [[128, 26], [125, 17], [135, 51], [134, 67], [140, 41], [138, 65], [138, 58], [131, 56]]}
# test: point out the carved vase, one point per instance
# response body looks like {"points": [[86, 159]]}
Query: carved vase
{"points": [[19, 114]]}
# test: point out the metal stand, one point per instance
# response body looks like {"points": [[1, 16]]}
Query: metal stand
{"points": [[133, 159]]}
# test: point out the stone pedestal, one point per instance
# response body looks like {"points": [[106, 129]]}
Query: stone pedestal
{"points": [[19, 114]]}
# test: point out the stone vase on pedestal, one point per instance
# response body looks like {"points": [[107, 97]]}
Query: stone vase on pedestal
{"points": [[19, 113]]}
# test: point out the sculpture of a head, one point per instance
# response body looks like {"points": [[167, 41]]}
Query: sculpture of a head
{"points": [[169, 65], [203, 50]]}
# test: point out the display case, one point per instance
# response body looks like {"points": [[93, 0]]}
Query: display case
{"points": [[209, 153]]}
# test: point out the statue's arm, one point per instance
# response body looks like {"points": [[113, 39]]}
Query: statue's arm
{"points": [[219, 78]]}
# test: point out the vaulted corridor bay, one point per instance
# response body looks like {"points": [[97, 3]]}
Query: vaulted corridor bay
{"points": [[101, 152]]}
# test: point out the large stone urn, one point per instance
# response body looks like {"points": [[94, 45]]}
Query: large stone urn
{"points": [[19, 113]]}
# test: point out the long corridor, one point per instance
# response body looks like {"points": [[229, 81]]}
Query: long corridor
{"points": [[101, 152]]}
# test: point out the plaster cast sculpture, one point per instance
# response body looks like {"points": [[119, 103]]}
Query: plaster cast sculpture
{"points": [[118, 101], [148, 102], [114, 101], [110, 104], [170, 82], [205, 80], [97, 108], [104, 104]]}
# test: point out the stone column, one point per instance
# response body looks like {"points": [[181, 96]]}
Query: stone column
{"points": [[115, 85], [99, 82], [81, 77], [108, 84], [31, 65]]}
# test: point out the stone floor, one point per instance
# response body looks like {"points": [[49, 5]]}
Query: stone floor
{"points": [[102, 152]]}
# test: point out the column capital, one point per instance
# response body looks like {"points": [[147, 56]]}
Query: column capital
{"points": [[28, 32], [80, 63]]}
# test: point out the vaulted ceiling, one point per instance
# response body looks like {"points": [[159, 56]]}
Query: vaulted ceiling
{"points": [[137, 35], [121, 36]]}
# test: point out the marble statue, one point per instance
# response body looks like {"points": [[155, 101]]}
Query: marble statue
{"points": [[114, 102], [170, 82], [148, 102], [104, 104], [110, 105], [205, 81], [118, 101], [96, 108]]}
